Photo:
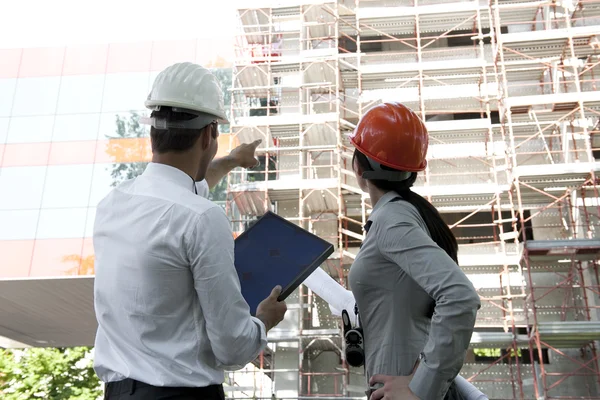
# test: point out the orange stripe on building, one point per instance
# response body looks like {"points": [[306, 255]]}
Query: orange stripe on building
{"points": [[86, 152], [11, 59], [47, 258], [114, 58]]}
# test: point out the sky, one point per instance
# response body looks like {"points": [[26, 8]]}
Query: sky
{"points": [[43, 23]]}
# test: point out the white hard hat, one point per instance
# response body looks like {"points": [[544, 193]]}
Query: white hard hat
{"points": [[189, 87]]}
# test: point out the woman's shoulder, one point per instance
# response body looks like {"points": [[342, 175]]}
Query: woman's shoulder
{"points": [[397, 210]]}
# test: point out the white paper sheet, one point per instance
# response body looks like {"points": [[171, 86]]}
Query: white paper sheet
{"points": [[331, 291]]}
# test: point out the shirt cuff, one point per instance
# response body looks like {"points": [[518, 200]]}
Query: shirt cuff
{"points": [[428, 384], [263, 329], [262, 337]]}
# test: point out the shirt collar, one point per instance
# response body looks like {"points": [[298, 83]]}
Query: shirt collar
{"points": [[386, 198], [166, 172]]}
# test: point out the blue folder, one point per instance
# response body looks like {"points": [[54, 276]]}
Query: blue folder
{"points": [[274, 252]]}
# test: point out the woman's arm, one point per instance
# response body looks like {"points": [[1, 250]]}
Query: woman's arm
{"points": [[406, 244]]}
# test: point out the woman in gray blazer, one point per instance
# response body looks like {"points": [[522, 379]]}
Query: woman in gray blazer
{"points": [[416, 307]]}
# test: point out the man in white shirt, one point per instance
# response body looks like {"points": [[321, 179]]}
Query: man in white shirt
{"points": [[171, 317]]}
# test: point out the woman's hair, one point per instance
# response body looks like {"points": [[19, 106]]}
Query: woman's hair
{"points": [[440, 233]]}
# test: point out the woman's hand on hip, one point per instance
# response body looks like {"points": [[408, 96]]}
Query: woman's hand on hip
{"points": [[394, 388]]}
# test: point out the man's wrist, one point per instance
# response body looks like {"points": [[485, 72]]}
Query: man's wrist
{"points": [[265, 322], [230, 161]]}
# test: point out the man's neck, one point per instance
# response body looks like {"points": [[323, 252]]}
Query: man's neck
{"points": [[180, 161]]}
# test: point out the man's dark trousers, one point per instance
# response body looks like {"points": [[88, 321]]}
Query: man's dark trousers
{"points": [[130, 389]]}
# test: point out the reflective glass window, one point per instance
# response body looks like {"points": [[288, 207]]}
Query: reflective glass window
{"points": [[30, 129], [214, 50], [61, 223], [107, 176], [44, 61], [153, 75], [85, 59], [80, 94], [7, 93], [56, 257], [76, 127], [25, 154], [168, 52], [67, 186], [18, 224], [102, 182], [124, 151], [89, 225], [36, 96], [72, 153], [125, 91], [87, 256], [15, 258], [9, 67], [129, 57], [3, 129], [21, 187], [119, 125]]}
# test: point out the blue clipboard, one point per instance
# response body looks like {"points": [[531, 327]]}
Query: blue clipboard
{"points": [[274, 252]]}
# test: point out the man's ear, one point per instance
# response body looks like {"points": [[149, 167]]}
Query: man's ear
{"points": [[205, 137]]}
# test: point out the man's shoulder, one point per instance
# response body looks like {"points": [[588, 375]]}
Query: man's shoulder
{"points": [[199, 205], [117, 190], [137, 192]]}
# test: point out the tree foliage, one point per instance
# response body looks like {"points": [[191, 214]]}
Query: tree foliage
{"points": [[224, 75], [49, 374], [81, 265], [124, 145], [219, 192]]}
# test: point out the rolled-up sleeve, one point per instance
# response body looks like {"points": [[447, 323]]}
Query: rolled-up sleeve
{"points": [[235, 336], [406, 244]]}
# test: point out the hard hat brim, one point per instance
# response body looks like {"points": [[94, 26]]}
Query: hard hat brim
{"points": [[153, 104], [420, 168]]}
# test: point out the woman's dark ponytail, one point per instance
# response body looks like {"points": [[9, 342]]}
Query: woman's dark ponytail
{"points": [[440, 233]]}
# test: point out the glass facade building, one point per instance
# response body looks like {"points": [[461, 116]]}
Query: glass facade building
{"points": [[69, 132]]}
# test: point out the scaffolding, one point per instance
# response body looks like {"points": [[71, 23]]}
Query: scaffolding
{"points": [[508, 92]]}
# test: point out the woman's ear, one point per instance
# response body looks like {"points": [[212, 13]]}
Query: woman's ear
{"points": [[358, 169]]}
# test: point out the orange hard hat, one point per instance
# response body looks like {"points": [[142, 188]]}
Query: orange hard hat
{"points": [[393, 135]]}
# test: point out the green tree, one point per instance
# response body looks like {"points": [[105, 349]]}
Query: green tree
{"points": [[117, 147], [219, 192], [49, 374], [224, 75]]}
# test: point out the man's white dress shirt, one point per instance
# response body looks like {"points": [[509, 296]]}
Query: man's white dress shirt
{"points": [[166, 294]]}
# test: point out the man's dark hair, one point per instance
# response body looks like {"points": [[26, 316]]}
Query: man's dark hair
{"points": [[173, 139]]}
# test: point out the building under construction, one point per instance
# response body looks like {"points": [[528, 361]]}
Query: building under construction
{"points": [[508, 90]]}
